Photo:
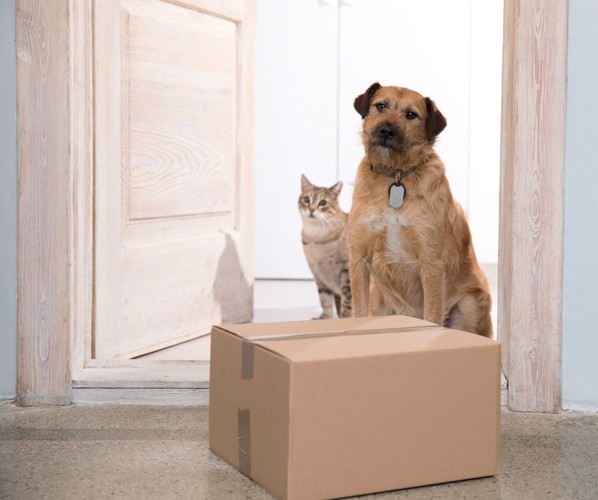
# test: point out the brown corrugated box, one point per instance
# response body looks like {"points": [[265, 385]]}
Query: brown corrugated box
{"points": [[335, 408]]}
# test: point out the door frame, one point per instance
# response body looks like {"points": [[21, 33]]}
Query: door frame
{"points": [[530, 263], [55, 223], [55, 212]]}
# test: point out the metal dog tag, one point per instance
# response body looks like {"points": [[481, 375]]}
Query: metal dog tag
{"points": [[396, 195]]}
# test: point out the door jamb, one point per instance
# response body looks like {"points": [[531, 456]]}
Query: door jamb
{"points": [[530, 267], [55, 217]]}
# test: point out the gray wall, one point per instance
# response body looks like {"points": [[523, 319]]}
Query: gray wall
{"points": [[580, 293], [8, 204]]}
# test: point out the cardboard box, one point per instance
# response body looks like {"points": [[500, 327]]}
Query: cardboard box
{"points": [[335, 408]]}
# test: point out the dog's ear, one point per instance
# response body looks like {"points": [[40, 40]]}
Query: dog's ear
{"points": [[436, 121], [362, 102]]}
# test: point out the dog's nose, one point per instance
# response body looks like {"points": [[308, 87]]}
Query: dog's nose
{"points": [[386, 132]]}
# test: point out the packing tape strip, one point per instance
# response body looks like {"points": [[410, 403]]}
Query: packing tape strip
{"points": [[249, 343], [246, 360], [344, 333], [244, 438]]}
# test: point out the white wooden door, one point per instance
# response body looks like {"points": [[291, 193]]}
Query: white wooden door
{"points": [[173, 186]]}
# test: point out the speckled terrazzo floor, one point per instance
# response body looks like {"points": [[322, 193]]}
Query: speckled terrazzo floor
{"points": [[91, 452]]}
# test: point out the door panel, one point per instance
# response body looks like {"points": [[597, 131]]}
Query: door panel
{"points": [[181, 88], [169, 165]]}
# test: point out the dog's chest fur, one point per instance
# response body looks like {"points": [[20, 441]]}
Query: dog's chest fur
{"points": [[390, 229]]}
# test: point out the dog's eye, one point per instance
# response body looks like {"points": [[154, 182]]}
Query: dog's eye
{"points": [[380, 106], [306, 200], [411, 115], [322, 203]]}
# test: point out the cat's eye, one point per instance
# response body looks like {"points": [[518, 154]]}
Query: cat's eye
{"points": [[306, 200], [411, 115], [322, 203]]}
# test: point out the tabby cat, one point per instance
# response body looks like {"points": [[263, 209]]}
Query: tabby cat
{"points": [[325, 246]]}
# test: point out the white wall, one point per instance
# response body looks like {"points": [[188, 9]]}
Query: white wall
{"points": [[313, 59], [296, 106], [8, 210], [580, 279]]}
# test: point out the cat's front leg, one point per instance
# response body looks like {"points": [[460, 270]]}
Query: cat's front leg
{"points": [[344, 301], [326, 300]]}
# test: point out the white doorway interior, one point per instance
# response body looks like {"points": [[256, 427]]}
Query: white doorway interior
{"points": [[314, 57]]}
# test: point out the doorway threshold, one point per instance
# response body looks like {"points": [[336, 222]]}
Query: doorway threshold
{"points": [[143, 382]]}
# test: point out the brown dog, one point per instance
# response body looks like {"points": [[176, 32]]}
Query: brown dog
{"points": [[407, 236]]}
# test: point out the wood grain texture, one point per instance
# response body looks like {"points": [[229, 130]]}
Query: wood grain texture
{"points": [[58, 150], [173, 179], [139, 373], [245, 150], [180, 94], [531, 229], [233, 10], [81, 168], [43, 364], [108, 24], [140, 396]]}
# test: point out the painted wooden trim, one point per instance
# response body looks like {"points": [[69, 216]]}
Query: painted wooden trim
{"points": [[44, 255], [81, 167], [245, 161], [141, 396], [231, 10], [136, 373], [531, 201]]}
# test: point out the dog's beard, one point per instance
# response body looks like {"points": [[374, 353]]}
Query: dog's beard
{"points": [[385, 160], [383, 152]]}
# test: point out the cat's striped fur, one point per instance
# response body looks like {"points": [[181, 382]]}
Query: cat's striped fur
{"points": [[325, 246]]}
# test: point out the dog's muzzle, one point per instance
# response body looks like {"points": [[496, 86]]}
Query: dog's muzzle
{"points": [[386, 135]]}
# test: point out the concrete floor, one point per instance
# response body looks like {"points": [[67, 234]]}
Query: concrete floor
{"points": [[89, 452]]}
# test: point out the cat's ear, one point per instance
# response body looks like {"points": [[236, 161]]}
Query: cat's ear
{"points": [[305, 184], [336, 189]]}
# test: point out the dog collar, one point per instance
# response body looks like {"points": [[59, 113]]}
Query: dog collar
{"points": [[382, 170], [396, 191]]}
